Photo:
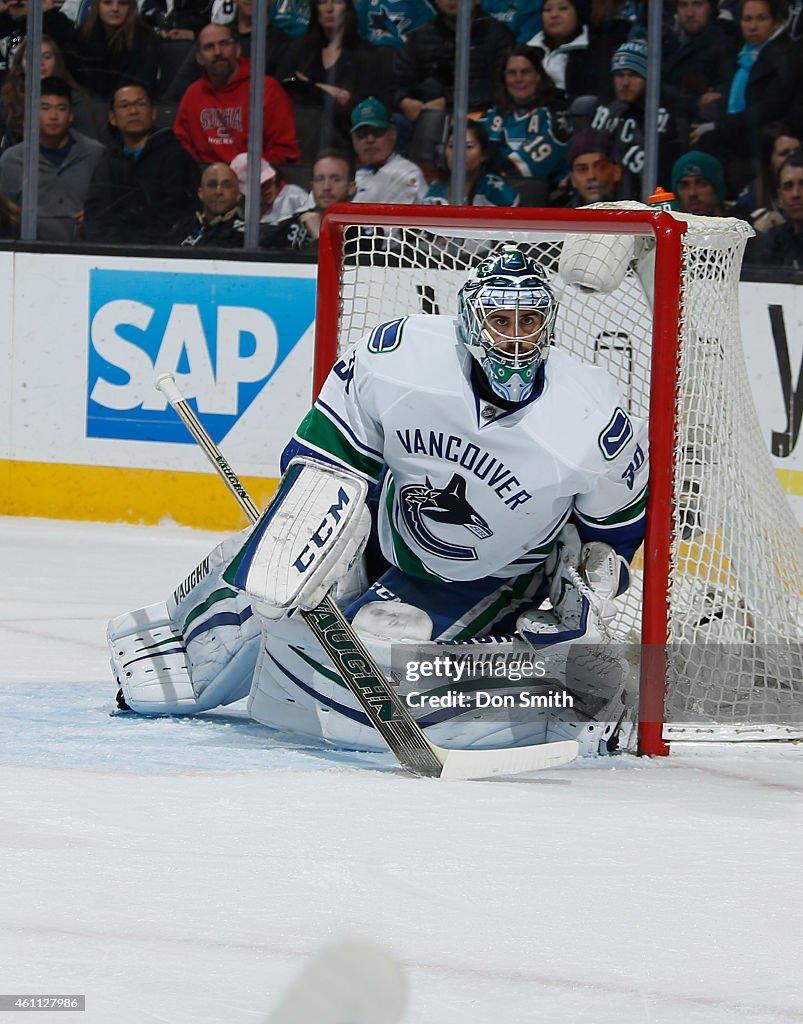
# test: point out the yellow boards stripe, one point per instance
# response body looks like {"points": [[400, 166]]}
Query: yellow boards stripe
{"points": [[116, 494]]}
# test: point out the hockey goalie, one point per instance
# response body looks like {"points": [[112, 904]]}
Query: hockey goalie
{"points": [[460, 483]]}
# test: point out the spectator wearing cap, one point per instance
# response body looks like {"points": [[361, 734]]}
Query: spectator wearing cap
{"points": [[698, 181], [383, 175], [572, 58], [594, 174], [623, 118], [278, 200], [212, 118]]}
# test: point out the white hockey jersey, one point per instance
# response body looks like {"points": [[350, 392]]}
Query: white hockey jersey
{"points": [[470, 490]]}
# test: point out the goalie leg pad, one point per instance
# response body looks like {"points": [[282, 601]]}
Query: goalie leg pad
{"points": [[150, 661], [601, 725], [191, 653], [296, 688]]}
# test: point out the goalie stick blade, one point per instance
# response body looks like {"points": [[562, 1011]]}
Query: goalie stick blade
{"points": [[485, 764], [351, 981]]}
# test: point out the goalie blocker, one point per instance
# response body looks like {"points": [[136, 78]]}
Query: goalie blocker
{"points": [[306, 542]]}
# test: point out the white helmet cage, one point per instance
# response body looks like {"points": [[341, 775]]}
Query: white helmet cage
{"points": [[512, 282]]}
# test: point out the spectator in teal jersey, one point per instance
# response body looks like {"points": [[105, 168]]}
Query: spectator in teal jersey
{"points": [[526, 127], [523, 19], [483, 188], [389, 22]]}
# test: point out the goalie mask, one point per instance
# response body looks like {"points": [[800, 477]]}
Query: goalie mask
{"points": [[506, 314]]}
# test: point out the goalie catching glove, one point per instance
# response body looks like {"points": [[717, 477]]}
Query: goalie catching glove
{"points": [[585, 580], [576, 637], [306, 542]]}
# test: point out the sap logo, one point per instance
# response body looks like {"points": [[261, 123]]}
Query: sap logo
{"points": [[222, 335]]}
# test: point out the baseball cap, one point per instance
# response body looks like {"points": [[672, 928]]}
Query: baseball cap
{"points": [[240, 167], [371, 111], [589, 140], [631, 56], [700, 165]]}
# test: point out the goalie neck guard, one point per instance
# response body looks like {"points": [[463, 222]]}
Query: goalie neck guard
{"points": [[506, 315]]}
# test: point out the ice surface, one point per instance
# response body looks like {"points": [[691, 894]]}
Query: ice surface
{"points": [[183, 871]]}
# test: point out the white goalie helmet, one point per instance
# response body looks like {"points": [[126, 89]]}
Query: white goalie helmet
{"points": [[506, 316]]}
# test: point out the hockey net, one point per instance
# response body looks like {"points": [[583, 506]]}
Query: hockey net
{"points": [[716, 610]]}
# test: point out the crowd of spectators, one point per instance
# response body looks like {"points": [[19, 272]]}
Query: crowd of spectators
{"points": [[144, 114]]}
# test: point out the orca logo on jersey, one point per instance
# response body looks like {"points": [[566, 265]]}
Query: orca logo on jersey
{"points": [[448, 505]]}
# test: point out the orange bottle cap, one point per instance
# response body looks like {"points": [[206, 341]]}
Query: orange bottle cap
{"points": [[661, 196]]}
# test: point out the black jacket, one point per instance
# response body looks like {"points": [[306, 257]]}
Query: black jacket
{"points": [[773, 94], [187, 14], [221, 233], [100, 71], [13, 30], [691, 65], [625, 122], [779, 247], [137, 200], [423, 69]]}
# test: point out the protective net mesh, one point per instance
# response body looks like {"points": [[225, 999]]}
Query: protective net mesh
{"points": [[735, 608]]}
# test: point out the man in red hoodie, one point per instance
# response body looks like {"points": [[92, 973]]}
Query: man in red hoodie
{"points": [[212, 118]]}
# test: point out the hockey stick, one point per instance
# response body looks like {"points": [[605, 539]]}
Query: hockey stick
{"points": [[361, 674]]}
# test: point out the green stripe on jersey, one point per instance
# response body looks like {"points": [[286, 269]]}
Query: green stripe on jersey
{"points": [[624, 515], [318, 430], [516, 593]]}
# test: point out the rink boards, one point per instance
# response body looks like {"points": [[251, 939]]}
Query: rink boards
{"points": [[86, 436]]}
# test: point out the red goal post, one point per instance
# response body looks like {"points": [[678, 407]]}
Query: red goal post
{"points": [[669, 332]]}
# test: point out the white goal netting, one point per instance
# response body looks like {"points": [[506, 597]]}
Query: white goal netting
{"points": [[732, 588]]}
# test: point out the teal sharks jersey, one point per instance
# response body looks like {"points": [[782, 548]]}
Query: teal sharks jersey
{"points": [[527, 143]]}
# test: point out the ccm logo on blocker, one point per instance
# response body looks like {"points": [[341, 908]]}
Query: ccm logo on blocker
{"points": [[223, 336]]}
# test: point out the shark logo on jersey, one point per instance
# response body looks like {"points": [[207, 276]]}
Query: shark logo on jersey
{"points": [[421, 502]]}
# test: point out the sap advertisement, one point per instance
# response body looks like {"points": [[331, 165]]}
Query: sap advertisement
{"points": [[237, 337], [88, 334], [223, 336]]}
